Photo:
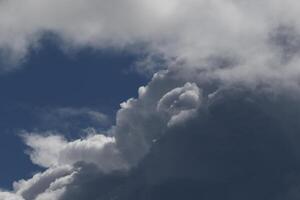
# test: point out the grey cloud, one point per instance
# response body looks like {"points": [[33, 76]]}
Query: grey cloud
{"points": [[232, 77], [241, 145], [249, 32]]}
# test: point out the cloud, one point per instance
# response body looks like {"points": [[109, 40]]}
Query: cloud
{"points": [[39, 183], [238, 145], [219, 121], [9, 196], [237, 138], [54, 151], [180, 103], [139, 123], [249, 40], [42, 186]]}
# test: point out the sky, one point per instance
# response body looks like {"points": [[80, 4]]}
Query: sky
{"points": [[140, 99], [50, 81]]}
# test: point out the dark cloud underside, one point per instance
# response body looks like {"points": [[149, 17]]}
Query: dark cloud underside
{"points": [[242, 146]]}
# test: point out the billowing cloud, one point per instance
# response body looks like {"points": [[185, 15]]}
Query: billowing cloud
{"points": [[232, 41], [180, 103], [238, 145], [54, 151], [9, 196], [42, 186], [235, 138], [221, 120], [39, 183]]}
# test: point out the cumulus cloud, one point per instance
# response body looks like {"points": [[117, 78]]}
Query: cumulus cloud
{"points": [[9, 196], [139, 123], [54, 150], [180, 103], [42, 186], [233, 134], [39, 183], [214, 115], [238, 145]]}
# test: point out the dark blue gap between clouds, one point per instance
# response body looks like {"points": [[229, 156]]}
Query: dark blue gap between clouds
{"points": [[51, 78]]}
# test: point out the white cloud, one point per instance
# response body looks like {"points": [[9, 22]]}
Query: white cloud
{"points": [[242, 33], [41, 183], [180, 103], [54, 151], [56, 188], [9, 196], [45, 152]]}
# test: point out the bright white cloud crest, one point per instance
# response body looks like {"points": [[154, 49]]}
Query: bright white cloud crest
{"points": [[180, 103], [54, 150]]}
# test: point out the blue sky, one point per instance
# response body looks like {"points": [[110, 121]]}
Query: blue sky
{"points": [[49, 79]]}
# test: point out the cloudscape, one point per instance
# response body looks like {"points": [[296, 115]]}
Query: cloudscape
{"points": [[150, 100]]}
